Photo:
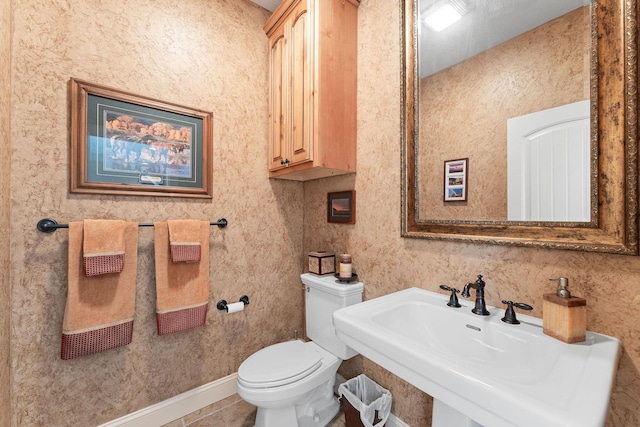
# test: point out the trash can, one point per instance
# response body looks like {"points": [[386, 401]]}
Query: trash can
{"points": [[364, 402]]}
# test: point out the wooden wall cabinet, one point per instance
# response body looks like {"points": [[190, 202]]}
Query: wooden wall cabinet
{"points": [[312, 94]]}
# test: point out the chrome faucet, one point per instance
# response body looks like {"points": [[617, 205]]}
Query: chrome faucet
{"points": [[481, 307]]}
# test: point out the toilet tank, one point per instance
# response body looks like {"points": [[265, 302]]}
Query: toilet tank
{"points": [[324, 295]]}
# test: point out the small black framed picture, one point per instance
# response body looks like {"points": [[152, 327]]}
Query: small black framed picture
{"points": [[341, 207]]}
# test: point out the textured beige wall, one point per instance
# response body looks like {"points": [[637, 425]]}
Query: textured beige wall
{"points": [[220, 64], [543, 68], [208, 54], [387, 263], [5, 242]]}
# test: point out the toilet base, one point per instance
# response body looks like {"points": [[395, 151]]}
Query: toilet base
{"points": [[315, 410], [276, 416]]}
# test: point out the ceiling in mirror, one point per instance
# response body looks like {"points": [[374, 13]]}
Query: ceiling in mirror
{"points": [[448, 117], [483, 24]]}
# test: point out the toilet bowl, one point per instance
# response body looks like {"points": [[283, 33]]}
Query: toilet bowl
{"points": [[292, 383]]}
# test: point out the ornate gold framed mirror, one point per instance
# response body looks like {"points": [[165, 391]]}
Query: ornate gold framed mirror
{"points": [[609, 215]]}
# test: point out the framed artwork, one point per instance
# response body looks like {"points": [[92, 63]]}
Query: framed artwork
{"points": [[129, 144], [341, 207], [456, 174]]}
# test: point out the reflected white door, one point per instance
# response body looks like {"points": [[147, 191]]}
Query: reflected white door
{"points": [[548, 165]]}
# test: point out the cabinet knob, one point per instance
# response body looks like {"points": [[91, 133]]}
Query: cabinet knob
{"points": [[285, 162]]}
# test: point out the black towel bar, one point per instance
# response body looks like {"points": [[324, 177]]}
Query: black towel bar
{"points": [[48, 225]]}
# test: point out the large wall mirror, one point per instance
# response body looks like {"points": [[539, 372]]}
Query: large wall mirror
{"points": [[520, 122]]}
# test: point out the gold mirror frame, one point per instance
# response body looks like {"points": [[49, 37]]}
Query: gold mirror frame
{"points": [[613, 227]]}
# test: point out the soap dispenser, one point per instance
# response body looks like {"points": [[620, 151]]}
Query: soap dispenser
{"points": [[564, 317]]}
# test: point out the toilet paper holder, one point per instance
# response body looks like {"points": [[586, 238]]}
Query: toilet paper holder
{"points": [[222, 304]]}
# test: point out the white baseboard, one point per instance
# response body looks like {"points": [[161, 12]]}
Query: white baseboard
{"points": [[393, 421], [180, 405], [193, 400]]}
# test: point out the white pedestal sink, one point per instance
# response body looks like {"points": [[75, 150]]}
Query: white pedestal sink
{"points": [[484, 371]]}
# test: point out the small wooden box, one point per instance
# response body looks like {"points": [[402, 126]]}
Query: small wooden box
{"points": [[564, 318], [322, 262]]}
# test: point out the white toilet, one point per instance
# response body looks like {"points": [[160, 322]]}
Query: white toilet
{"points": [[291, 383]]}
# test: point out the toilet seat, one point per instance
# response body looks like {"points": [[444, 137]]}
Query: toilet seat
{"points": [[279, 364]]}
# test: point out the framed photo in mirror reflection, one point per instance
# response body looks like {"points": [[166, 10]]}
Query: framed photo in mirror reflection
{"points": [[456, 174]]}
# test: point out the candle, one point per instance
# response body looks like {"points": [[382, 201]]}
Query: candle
{"points": [[346, 270]]}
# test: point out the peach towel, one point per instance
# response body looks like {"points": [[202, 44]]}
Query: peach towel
{"points": [[103, 246], [184, 240], [99, 311], [182, 288]]}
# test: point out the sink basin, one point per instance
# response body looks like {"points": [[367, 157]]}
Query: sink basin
{"points": [[491, 372]]}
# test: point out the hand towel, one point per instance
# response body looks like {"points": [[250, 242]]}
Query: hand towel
{"points": [[103, 246], [184, 240], [182, 289], [98, 315]]}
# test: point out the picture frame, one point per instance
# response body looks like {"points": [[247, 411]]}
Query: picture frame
{"points": [[341, 207], [456, 175], [128, 144]]}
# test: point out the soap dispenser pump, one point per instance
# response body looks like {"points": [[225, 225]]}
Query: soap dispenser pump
{"points": [[563, 284], [564, 317]]}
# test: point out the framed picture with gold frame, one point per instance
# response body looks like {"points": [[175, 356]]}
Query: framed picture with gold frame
{"points": [[128, 144]]}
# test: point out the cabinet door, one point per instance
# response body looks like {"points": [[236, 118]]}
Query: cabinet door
{"points": [[278, 135], [301, 105]]}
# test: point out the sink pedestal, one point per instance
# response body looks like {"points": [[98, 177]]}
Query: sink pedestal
{"points": [[445, 416]]}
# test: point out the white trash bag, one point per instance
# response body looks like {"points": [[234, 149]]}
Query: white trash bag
{"points": [[367, 397]]}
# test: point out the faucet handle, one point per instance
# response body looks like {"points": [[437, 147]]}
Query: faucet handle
{"points": [[453, 299], [510, 314]]}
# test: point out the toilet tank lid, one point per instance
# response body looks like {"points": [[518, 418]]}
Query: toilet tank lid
{"points": [[328, 283]]}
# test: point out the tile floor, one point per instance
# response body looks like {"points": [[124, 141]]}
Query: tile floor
{"points": [[230, 412]]}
